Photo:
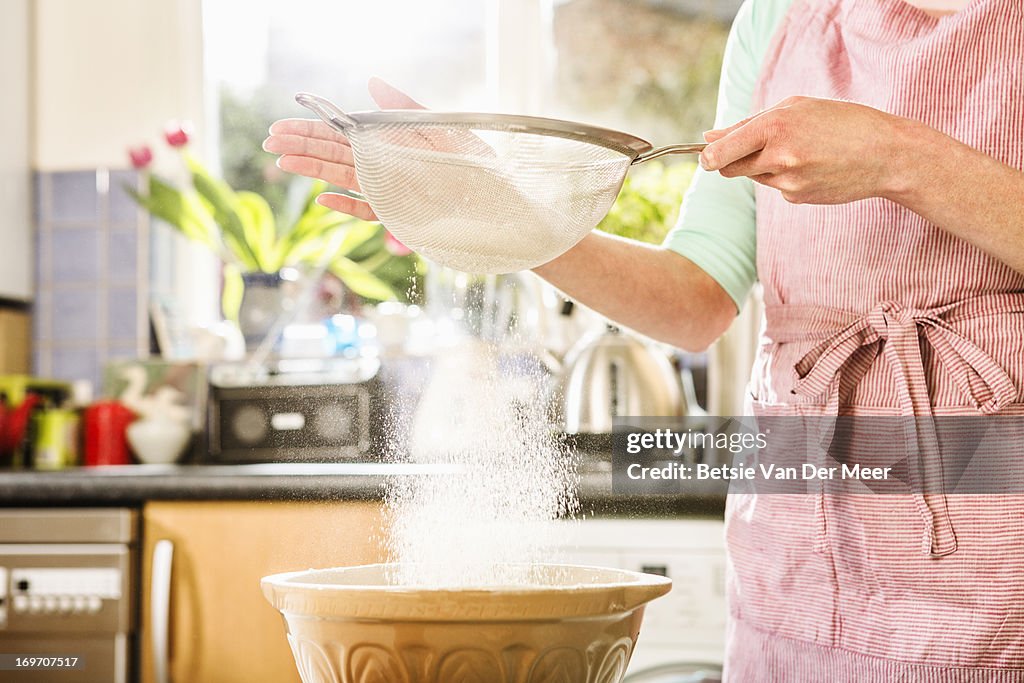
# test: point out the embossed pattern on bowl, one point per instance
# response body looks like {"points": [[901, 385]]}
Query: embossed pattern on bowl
{"points": [[576, 625]]}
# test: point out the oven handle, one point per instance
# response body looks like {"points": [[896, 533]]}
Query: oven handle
{"points": [[160, 607]]}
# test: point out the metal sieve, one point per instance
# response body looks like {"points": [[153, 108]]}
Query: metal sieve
{"points": [[486, 193]]}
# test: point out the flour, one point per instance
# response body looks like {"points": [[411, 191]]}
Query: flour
{"points": [[485, 525]]}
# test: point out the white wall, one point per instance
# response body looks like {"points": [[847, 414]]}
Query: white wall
{"points": [[15, 176], [109, 74]]}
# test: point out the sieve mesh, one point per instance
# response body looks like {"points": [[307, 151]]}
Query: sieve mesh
{"points": [[482, 200]]}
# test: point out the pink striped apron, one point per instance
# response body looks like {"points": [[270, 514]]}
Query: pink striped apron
{"points": [[872, 310]]}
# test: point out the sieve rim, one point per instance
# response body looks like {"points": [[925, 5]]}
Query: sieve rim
{"points": [[458, 159], [624, 143]]}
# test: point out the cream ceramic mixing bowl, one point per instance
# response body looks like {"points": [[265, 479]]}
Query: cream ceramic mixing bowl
{"points": [[569, 624]]}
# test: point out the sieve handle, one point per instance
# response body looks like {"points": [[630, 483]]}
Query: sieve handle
{"points": [[691, 148], [334, 117], [327, 111]]}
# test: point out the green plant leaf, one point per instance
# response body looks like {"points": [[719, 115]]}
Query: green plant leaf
{"points": [[306, 236], [361, 281], [178, 209], [314, 223], [648, 203], [313, 248], [232, 292], [260, 228], [358, 233], [226, 211], [373, 245]]}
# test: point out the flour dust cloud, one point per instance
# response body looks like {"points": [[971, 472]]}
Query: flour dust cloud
{"points": [[493, 512]]}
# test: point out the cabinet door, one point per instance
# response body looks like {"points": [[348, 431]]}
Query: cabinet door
{"points": [[220, 627], [15, 342]]}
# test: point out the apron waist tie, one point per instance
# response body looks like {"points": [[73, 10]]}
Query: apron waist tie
{"points": [[849, 344]]}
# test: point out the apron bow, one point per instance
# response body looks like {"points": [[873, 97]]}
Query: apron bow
{"points": [[896, 333], [974, 371]]}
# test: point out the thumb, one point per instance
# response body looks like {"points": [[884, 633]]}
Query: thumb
{"points": [[389, 97]]}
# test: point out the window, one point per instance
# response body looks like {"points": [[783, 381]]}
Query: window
{"points": [[649, 67], [259, 54]]}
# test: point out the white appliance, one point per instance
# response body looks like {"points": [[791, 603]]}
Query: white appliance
{"points": [[67, 613], [688, 624]]}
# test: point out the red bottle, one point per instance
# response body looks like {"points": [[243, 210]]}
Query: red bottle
{"points": [[104, 426]]}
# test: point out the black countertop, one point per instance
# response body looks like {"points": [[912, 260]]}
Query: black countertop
{"points": [[135, 484]]}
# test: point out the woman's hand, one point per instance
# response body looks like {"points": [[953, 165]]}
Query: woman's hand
{"points": [[814, 151], [830, 152], [310, 147]]}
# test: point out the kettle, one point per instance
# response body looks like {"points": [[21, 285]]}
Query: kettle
{"points": [[611, 374]]}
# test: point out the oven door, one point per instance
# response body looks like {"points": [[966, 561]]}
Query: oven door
{"points": [[66, 612]]}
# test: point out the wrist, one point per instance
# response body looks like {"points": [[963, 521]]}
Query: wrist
{"points": [[918, 154]]}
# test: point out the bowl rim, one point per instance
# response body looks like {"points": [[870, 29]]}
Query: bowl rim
{"points": [[640, 579], [470, 603]]}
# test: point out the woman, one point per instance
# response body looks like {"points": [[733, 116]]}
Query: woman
{"points": [[877, 195]]}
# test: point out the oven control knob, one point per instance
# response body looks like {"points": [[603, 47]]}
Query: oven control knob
{"points": [[50, 603], [35, 604], [78, 604], [65, 604], [20, 603]]}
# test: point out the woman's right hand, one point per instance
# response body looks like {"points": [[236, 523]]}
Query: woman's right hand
{"points": [[311, 148]]}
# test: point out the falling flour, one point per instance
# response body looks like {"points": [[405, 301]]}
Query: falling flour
{"points": [[494, 510]]}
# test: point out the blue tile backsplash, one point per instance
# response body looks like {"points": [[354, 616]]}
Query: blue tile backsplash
{"points": [[122, 253], [74, 198], [121, 316], [122, 209], [76, 315], [76, 364], [41, 330], [91, 273], [76, 255]]}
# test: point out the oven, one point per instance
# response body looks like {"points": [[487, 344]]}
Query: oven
{"points": [[67, 612]]}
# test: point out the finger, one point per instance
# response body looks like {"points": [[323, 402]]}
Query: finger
{"points": [[753, 165], [309, 147], [310, 128], [389, 97], [336, 174], [719, 133], [345, 204], [785, 186], [746, 139]]}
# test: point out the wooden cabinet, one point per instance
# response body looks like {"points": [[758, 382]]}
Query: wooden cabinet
{"points": [[15, 342], [220, 628]]}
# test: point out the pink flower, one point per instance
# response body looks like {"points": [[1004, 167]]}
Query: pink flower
{"points": [[141, 156], [394, 246], [177, 133]]}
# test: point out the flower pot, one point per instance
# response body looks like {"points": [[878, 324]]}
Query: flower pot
{"points": [[265, 297]]}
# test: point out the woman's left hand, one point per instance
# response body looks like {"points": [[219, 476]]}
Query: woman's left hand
{"points": [[814, 151]]}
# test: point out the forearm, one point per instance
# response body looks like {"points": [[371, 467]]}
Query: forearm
{"points": [[961, 190], [650, 289]]}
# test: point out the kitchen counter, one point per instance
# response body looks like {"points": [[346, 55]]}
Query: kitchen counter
{"points": [[136, 484]]}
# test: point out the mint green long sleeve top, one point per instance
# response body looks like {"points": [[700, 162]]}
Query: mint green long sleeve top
{"points": [[716, 228]]}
